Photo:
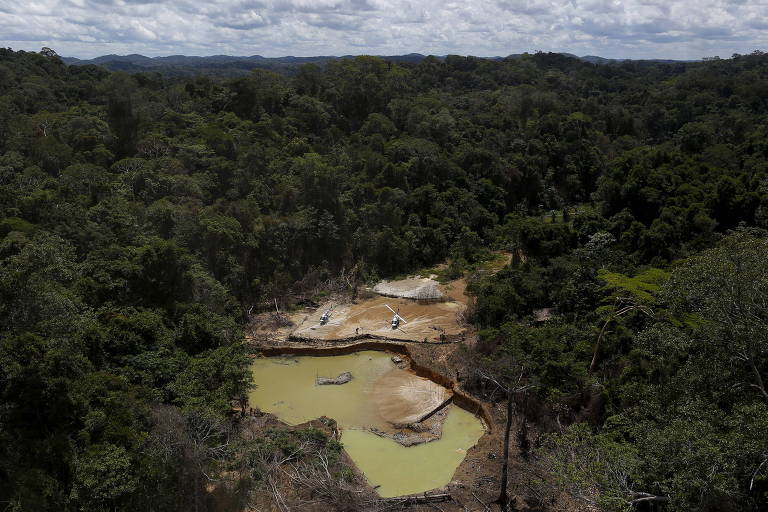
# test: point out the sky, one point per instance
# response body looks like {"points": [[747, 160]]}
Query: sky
{"points": [[672, 29]]}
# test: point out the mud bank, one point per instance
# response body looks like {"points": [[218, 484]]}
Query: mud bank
{"points": [[306, 339], [426, 431], [460, 398]]}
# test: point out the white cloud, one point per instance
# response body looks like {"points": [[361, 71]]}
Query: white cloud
{"points": [[612, 28]]}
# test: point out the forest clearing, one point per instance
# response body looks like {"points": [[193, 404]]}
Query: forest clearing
{"points": [[405, 402], [431, 320]]}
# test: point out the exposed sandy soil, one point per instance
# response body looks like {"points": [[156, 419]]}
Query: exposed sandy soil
{"points": [[456, 291], [420, 288], [432, 322], [402, 397], [430, 429]]}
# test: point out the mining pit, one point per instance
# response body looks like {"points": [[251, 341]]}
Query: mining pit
{"points": [[398, 427], [451, 450]]}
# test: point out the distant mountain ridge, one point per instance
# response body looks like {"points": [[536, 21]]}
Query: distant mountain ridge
{"points": [[234, 65], [216, 64], [141, 60]]}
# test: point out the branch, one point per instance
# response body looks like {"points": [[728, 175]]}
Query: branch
{"points": [[517, 388], [752, 481], [759, 384], [485, 507], [644, 497]]}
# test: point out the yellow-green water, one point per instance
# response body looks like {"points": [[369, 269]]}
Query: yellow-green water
{"points": [[400, 470], [286, 387]]}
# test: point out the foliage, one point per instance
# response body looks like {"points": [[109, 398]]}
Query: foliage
{"points": [[594, 468], [642, 287], [142, 215]]}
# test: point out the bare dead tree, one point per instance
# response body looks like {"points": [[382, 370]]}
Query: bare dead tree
{"points": [[758, 383], [511, 387], [129, 165], [324, 487], [153, 147], [43, 126]]}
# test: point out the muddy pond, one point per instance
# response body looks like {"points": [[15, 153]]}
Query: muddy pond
{"points": [[286, 387]]}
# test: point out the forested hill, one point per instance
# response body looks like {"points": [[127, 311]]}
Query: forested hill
{"points": [[215, 65], [233, 66], [143, 215]]}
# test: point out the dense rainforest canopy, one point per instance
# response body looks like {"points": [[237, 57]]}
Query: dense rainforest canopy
{"points": [[142, 216]]}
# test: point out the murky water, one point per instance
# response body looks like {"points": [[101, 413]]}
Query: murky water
{"points": [[400, 470], [286, 388]]}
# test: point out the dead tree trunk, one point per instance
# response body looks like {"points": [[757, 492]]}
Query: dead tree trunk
{"points": [[243, 402], [511, 388], [414, 500], [503, 499]]}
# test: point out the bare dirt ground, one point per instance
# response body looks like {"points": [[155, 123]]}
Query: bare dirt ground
{"points": [[403, 398], [272, 328], [431, 322]]}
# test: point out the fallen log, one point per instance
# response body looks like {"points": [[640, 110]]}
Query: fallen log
{"points": [[419, 500]]}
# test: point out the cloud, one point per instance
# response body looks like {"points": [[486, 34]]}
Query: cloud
{"points": [[248, 19], [611, 28], [526, 7]]}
